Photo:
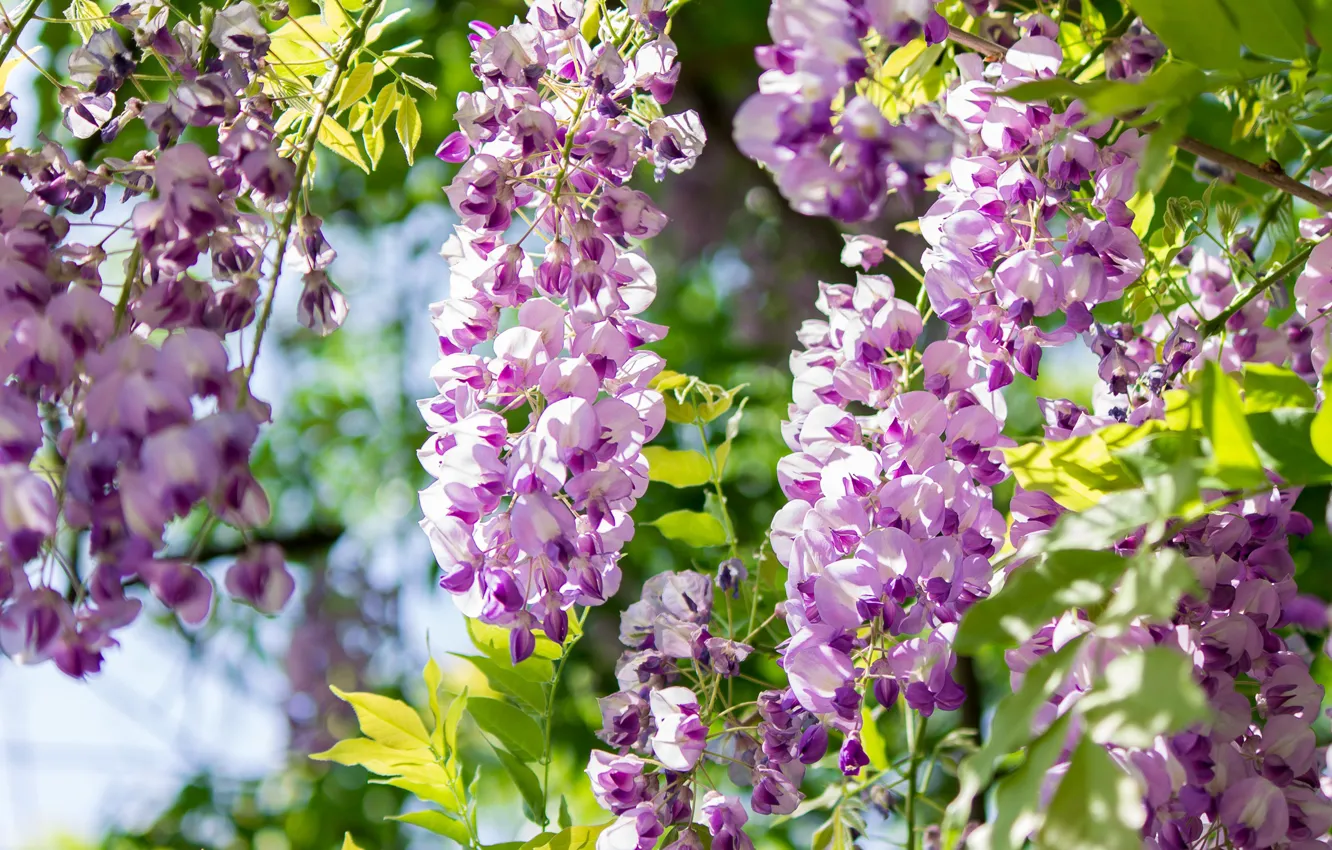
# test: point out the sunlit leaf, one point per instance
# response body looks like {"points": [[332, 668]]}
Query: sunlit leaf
{"points": [[336, 138], [374, 756], [1098, 806], [1035, 594], [1019, 807], [438, 823], [1199, 31], [1236, 461], [692, 527], [504, 679], [573, 838], [494, 641], [391, 722], [1009, 730], [439, 794], [1267, 387], [686, 468], [358, 83], [1150, 590], [408, 127], [1144, 693]]}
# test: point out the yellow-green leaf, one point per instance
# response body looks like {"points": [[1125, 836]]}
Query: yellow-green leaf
{"points": [[573, 838], [374, 144], [494, 641], [408, 127], [335, 137], [451, 720], [686, 468], [358, 83], [1079, 472], [438, 793], [1233, 450], [391, 722], [437, 822], [591, 21], [385, 102], [374, 756], [692, 527], [356, 116], [433, 678], [347, 843]]}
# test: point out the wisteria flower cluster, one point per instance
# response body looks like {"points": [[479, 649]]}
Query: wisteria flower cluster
{"points": [[891, 521], [540, 420], [891, 531], [123, 406], [833, 153]]}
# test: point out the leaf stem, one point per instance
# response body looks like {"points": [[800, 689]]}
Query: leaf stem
{"points": [[549, 718], [355, 39], [29, 12], [1257, 289], [915, 732]]}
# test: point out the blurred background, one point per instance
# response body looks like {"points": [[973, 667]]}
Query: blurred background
{"points": [[193, 739]]}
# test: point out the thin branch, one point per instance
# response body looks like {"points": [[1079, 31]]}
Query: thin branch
{"points": [[355, 40], [29, 12], [1257, 289], [1269, 173]]}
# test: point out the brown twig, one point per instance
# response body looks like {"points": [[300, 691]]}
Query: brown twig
{"points": [[1275, 178]]}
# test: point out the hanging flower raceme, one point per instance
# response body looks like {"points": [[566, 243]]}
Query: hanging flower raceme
{"points": [[832, 153], [121, 408], [543, 403]]}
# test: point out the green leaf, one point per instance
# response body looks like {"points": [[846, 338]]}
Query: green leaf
{"points": [[1018, 803], [506, 680], [433, 678], [1150, 590], [452, 718], [1288, 442], [374, 756], [494, 642], [518, 732], [1271, 27], [1009, 730], [835, 834], [1035, 594], [438, 823], [357, 86], [1197, 31], [1119, 514], [526, 781], [391, 722], [1235, 459], [692, 527], [1320, 433], [348, 843], [1143, 205], [686, 468], [335, 137], [385, 102], [1267, 387], [1144, 693], [1096, 807], [565, 820], [408, 127], [872, 740], [440, 793], [573, 838], [1079, 472]]}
